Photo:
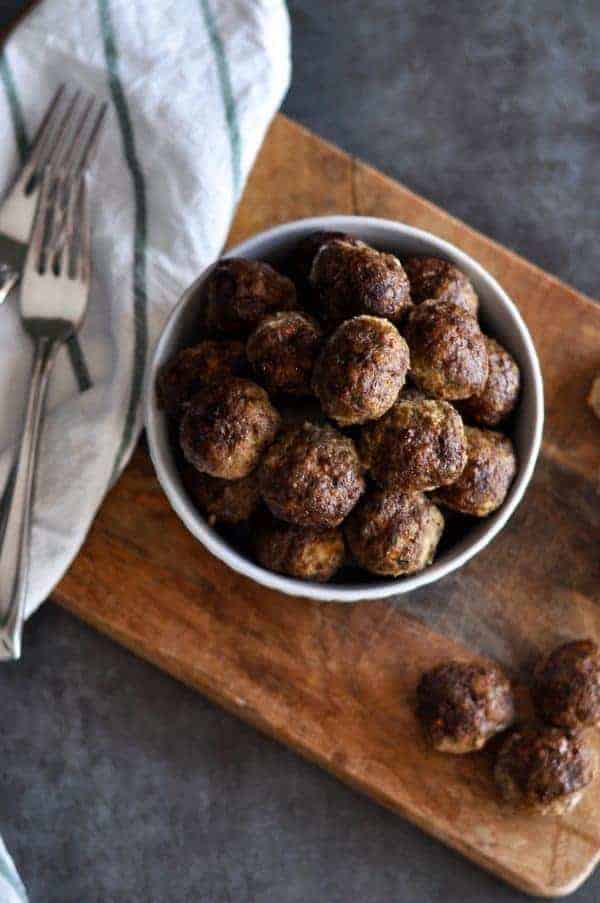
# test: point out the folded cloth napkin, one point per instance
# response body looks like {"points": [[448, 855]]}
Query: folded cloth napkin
{"points": [[11, 887], [192, 86]]}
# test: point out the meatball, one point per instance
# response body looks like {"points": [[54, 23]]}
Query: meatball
{"points": [[351, 278], [305, 252], [283, 349], [566, 689], [432, 278], [593, 398], [448, 356], [461, 705], [417, 446], [501, 391], [227, 427], [311, 476], [300, 551], [361, 370], [391, 533], [239, 293], [225, 501], [191, 369], [490, 469], [544, 769]]}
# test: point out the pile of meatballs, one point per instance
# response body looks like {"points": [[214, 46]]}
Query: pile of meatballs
{"points": [[338, 406], [542, 766]]}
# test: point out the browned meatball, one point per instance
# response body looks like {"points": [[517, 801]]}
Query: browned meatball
{"points": [[191, 369], [239, 293], [227, 427], [361, 370], [306, 250], [300, 551], [391, 533], [490, 469], [224, 501], [418, 445], [544, 769], [448, 357], [461, 705], [283, 349], [432, 278], [351, 279], [501, 391], [311, 476], [566, 690]]}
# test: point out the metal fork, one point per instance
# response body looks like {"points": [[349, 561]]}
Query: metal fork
{"points": [[66, 140], [54, 294]]}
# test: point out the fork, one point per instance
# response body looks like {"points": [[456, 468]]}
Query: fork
{"points": [[54, 294], [67, 138]]}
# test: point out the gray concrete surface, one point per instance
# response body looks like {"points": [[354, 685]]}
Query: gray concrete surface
{"points": [[117, 783], [490, 109]]}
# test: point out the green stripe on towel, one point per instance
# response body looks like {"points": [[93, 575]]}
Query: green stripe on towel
{"points": [[78, 363], [16, 111], [140, 234], [226, 93]]}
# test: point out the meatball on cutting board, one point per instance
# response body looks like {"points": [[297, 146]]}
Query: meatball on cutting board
{"points": [[227, 427], [222, 501], [282, 351], [301, 260], [391, 533], [419, 445], [448, 355], [500, 393], [462, 704], [487, 476], [361, 370], [434, 279], [241, 292], [193, 368], [545, 770], [311, 476], [567, 685], [302, 552], [352, 278]]}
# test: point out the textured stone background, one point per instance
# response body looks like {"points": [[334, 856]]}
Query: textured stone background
{"points": [[117, 783], [492, 110]]}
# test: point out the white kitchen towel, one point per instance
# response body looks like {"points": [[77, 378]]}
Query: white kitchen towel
{"points": [[11, 887], [192, 86]]}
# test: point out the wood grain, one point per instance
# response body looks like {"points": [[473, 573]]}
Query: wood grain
{"points": [[335, 682]]}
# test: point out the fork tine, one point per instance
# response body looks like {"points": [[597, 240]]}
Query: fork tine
{"points": [[38, 233], [85, 230], [47, 124], [93, 140], [70, 226], [85, 140], [77, 231], [62, 134], [64, 156], [46, 127]]}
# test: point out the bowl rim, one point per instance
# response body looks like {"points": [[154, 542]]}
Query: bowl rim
{"points": [[220, 548]]}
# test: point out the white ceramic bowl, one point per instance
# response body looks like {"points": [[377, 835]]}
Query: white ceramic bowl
{"points": [[499, 317]]}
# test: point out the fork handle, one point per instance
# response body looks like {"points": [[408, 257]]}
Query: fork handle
{"points": [[15, 530], [9, 276]]}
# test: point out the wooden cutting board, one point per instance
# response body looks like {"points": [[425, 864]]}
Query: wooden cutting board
{"points": [[335, 682]]}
